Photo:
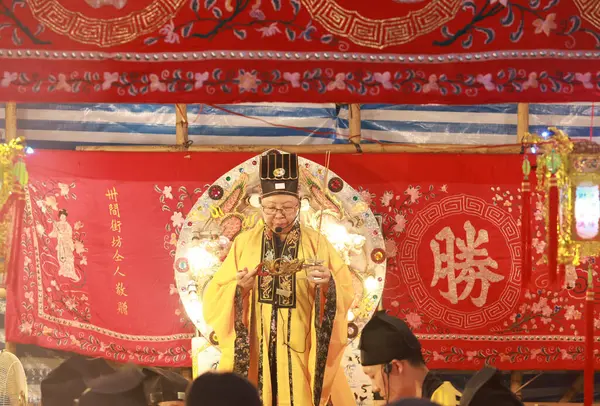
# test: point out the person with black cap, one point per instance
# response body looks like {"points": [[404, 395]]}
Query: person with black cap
{"points": [[391, 357], [486, 388], [279, 302]]}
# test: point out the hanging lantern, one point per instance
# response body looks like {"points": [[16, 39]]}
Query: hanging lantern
{"points": [[583, 214], [568, 177]]}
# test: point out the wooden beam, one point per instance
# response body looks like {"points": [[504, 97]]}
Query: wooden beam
{"points": [[574, 389], [10, 121], [318, 149], [181, 124], [354, 123], [522, 121]]}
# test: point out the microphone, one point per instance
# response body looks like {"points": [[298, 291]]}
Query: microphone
{"points": [[278, 230]]}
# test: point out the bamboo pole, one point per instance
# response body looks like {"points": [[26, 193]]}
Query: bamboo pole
{"points": [[10, 121], [522, 121], [10, 128], [516, 380], [354, 123], [318, 149], [181, 124]]}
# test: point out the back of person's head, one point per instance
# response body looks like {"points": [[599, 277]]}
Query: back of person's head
{"points": [[222, 389], [386, 338]]}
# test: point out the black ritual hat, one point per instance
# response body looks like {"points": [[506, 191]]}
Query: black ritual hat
{"points": [[386, 338], [279, 174]]}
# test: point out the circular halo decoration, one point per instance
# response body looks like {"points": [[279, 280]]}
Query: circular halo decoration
{"points": [[79, 22], [348, 224]]}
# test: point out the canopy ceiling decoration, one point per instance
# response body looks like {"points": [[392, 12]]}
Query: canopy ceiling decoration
{"points": [[224, 51]]}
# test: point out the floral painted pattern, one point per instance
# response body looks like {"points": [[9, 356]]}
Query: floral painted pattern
{"points": [[501, 46], [178, 205], [362, 82], [54, 308]]}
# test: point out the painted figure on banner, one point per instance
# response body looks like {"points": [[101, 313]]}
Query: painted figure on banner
{"points": [[392, 358], [279, 302], [470, 269], [65, 247]]}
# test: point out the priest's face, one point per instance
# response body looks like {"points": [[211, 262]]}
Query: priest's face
{"points": [[280, 211]]}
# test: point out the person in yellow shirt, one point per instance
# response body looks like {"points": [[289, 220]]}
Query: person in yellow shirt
{"points": [[391, 357], [279, 302]]}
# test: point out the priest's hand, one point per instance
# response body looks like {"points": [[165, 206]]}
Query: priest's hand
{"points": [[319, 275], [245, 280]]}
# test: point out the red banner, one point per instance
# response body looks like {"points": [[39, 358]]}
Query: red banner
{"points": [[223, 51], [94, 272]]}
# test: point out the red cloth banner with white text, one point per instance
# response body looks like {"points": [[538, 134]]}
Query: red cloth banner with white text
{"points": [[94, 272], [224, 51]]}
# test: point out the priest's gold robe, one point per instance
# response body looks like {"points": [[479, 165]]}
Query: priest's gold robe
{"points": [[308, 351]]}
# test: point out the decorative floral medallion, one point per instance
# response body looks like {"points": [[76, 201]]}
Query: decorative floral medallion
{"points": [[470, 288], [371, 28], [215, 192], [352, 330], [124, 24], [335, 184], [378, 256], [182, 265]]}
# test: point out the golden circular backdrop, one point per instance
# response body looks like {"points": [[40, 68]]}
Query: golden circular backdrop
{"points": [[375, 31], [78, 23]]}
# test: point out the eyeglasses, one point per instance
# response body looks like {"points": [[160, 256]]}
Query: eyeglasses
{"points": [[285, 210]]}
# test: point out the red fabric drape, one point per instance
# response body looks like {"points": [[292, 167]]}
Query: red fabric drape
{"points": [[223, 51], [452, 239]]}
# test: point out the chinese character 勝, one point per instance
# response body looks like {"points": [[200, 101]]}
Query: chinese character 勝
{"points": [[470, 269]]}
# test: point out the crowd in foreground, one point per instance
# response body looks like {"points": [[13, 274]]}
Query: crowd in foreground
{"points": [[391, 357]]}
